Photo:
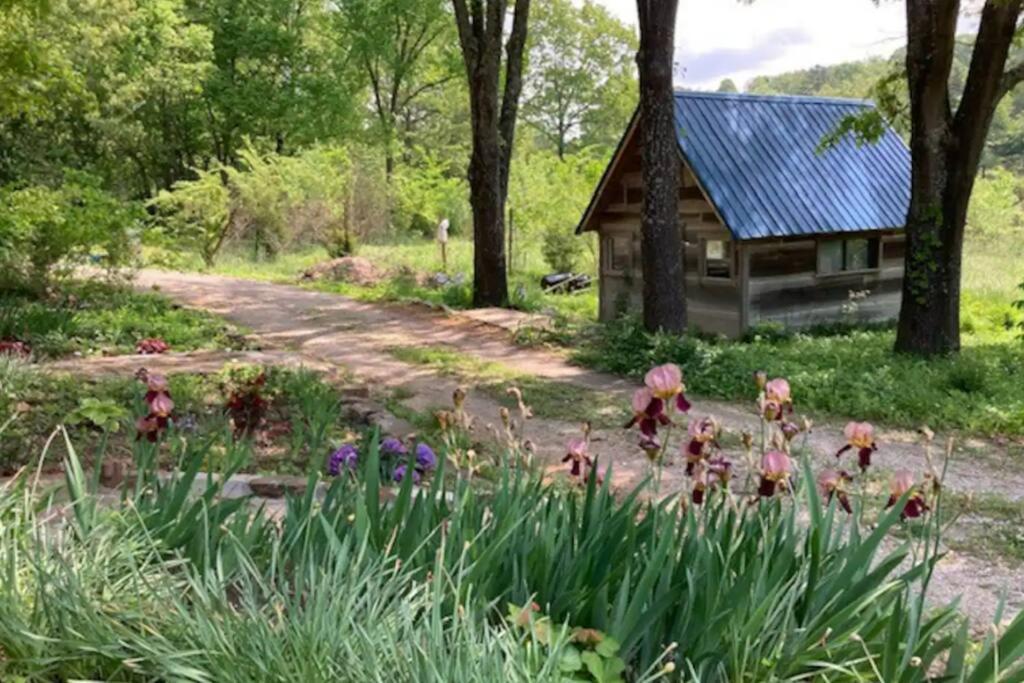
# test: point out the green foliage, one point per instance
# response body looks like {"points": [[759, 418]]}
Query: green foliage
{"points": [[995, 209], [269, 203], [547, 196], [426, 193], [581, 84], [46, 232], [102, 413], [195, 216], [562, 249]]}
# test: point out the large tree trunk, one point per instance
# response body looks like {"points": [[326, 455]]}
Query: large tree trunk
{"points": [[662, 257], [945, 152], [486, 195], [481, 34]]}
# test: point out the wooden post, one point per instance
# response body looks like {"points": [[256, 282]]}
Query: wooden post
{"points": [[511, 230]]}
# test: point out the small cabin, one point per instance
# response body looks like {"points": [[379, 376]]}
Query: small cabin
{"points": [[775, 227]]}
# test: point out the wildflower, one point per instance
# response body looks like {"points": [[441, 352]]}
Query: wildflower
{"points": [[666, 382], [703, 435], [790, 430], [392, 447], [721, 469], [425, 458], [700, 485], [161, 405], [903, 483], [400, 473], [860, 435], [831, 484], [14, 347], [775, 469], [577, 453], [346, 457], [776, 400], [650, 445], [147, 427], [151, 346], [648, 412]]}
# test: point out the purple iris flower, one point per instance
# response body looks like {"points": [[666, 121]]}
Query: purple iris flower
{"points": [[425, 458], [392, 446], [345, 457], [400, 474]]}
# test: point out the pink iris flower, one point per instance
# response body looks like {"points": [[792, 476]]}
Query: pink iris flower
{"points": [[777, 399], [161, 405], [775, 469], [861, 436], [666, 382]]}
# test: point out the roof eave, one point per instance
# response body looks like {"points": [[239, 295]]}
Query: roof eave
{"points": [[606, 176]]}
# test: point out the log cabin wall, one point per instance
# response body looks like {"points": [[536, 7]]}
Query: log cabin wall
{"points": [[789, 281], [713, 301]]}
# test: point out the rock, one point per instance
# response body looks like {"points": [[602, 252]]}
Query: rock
{"points": [[278, 486], [350, 393], [353, 269]]}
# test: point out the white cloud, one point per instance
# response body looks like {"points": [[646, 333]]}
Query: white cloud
{"points": [[716, 39]]}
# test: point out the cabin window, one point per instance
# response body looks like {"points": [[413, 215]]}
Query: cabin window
{"points": [[717, 259], [850, 255], [618, 253]]}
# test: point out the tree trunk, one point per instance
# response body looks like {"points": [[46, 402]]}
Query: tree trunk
{"points": [[490, 280], [945, 153], [664, 294], [481, 30]]}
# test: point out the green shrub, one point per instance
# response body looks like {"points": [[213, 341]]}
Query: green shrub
{"points": [[421, 226], [562, 249], [45, 232]]}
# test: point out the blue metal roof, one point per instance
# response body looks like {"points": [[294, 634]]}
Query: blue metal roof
{"points": [[756, 158]]}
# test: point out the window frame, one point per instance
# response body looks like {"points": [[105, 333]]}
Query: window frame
{"points": [[874, 252], [608, 257], [730, 260]]}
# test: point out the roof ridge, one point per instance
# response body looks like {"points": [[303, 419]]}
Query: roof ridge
{"points": [[750, 97]]}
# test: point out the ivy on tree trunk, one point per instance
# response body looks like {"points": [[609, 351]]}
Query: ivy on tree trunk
{"points": [[481, 25], [664, 294]]}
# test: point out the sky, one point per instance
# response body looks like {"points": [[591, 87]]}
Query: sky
{"points": [[718, 39]]}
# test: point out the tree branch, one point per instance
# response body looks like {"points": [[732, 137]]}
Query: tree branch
{"points": [[1011, 78], [985, 77], [513, 84]]}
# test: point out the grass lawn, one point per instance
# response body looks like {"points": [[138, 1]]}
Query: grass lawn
{"points": [[93, 317]]}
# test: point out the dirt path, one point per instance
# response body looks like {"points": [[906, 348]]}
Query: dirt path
{"points": [[321, 328]]}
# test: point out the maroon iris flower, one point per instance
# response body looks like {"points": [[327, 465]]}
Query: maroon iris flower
{"points": [[648, 412], [831, 484], [903, 482]]}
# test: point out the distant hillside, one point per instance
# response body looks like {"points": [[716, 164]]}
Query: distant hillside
{"points": [[858, 79]]}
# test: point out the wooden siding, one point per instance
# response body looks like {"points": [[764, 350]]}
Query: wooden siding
{"points": [[785, 287]]}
